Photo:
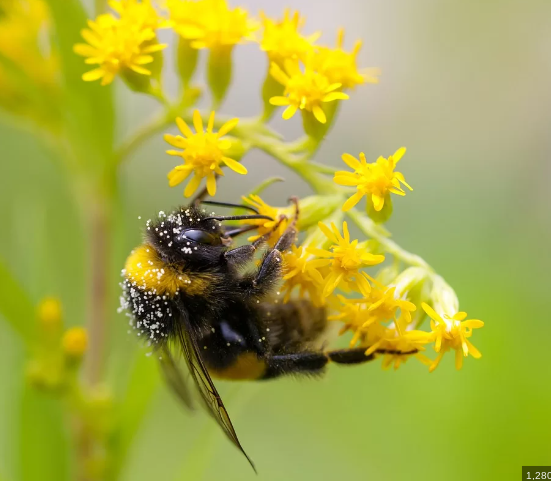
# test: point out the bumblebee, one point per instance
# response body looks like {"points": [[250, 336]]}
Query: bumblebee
{"points": [[187, 286]]}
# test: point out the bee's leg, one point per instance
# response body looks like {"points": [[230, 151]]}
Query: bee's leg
{"points": [[243, 254], [269, 273], [314, 362]]}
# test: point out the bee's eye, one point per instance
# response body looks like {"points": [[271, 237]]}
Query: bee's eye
{"points": [[201, 237]]}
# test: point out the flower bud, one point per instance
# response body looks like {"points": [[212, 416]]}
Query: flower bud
{"points": [[444, 298], [409, 279], [236, 150], [75, 342], [50, 314], [313, 127], [187, 60]]}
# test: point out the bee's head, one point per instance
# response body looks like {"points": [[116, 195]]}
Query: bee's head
{"points": [[192, 236]]}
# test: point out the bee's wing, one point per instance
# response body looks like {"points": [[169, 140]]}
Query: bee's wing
{"points": [[174, 378], [206, 387]]}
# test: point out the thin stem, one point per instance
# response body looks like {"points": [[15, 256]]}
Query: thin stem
{"points": [[368, 227], [144, 133], [98, 297]]}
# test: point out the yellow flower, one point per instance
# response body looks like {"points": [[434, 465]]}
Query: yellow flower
{"points": [[378, 305], [300, 273], [141, 14], [345, 259], [211, 23], [117, 46], [50, 313], [376, 180], [398, 342], [340, 66], [276, 227], [75, 342], [282, 39], [203, 153], [306, 90], [452, 333]]}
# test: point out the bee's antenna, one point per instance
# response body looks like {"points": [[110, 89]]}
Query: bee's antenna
{"points": [[227, 204], [238, 217], [239, 231]]}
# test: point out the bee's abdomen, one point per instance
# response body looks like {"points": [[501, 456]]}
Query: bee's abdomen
{"points": [[151, 315], [292, 325]]}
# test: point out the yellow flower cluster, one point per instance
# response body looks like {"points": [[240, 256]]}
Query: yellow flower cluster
{"points": [[211, 23], [125, 44], [57, 353], [309, 75], [383, 318]]}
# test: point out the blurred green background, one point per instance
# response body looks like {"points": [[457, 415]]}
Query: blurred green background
{"points": [[465, 87]]}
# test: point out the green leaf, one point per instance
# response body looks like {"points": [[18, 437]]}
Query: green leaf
{"points": [[44, 448], [89, 107], [15, 305], [142, 386]]}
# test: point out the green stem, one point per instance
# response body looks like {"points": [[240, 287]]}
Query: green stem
{"points": [[368, 227], [144, 133]]}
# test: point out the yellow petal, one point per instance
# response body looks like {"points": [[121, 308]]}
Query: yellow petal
{"points": [[277, 73], [210, 125], [319, 252], [140, 70], [197, 122], [279, 101], [289, 112], [229, 125], [345, 231], [351, 161], [473, 323], [192, 185], [432, 313], [327, 233], [85, 50], [175, 140], [235, 166], [330, 97], [434, 365], [473, 351], [352, 201], [144, 59], [183, 127], [458, 359], [346, 178], [154, 48], [399, 154], [177, 176], [93, 75], [211, 185], [333, 86], [378, 202], [319, 114]]}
